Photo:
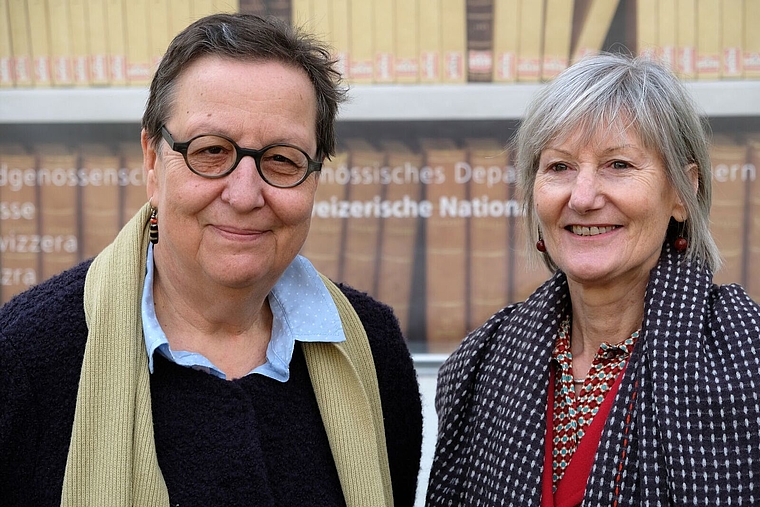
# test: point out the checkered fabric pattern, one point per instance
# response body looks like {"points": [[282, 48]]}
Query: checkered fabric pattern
{"points": [[684, 427]]}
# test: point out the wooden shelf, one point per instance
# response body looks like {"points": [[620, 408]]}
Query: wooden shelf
{"points": [[367, 103]]}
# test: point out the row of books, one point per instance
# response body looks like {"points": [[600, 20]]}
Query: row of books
{"points": [[60, 204], [91, 42], [701, 39], [432, 228], [119, 42]]}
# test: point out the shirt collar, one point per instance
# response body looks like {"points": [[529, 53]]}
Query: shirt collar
{"points": [[606, 350], [302, 310]]}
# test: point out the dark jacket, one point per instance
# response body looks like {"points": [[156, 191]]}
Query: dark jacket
{"points": [[684, 426], [251, 441]]}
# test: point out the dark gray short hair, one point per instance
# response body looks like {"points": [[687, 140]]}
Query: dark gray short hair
{"points": [[248, 38], [632, 93]]}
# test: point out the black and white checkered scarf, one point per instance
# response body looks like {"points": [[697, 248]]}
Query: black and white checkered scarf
{"points": [[685, 425]]}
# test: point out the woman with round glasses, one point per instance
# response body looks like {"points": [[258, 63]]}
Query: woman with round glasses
{"points": [[198, 360]]}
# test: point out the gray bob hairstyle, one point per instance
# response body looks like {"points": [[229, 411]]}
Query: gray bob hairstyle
{"points": [[247, 37], [608, 91]]}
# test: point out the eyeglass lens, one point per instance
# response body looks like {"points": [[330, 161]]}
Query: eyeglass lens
{"points": [[279, 165]]}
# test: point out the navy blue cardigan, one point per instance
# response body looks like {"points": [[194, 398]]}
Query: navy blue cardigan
{"points": [[251, 441]]}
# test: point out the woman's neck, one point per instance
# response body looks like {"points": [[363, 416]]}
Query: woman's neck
{"points": [[231, 328], [603, 314]]}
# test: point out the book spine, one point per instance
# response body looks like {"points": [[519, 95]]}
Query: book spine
{"points": [[201, 8], [445, 247], [686, 53], [280, 9], [97, 20], [39, 35], [323, 246], [181, 15], [131, 181], [80, 51], [363, 229], [321, 19], [430, 41], [453, 41], [407, 64], [647, 29], [383, 31], [506, 35], [708, 39], [257, 7], [99, 181], [399, 229], [227, 6], [751, 60], [139, 64], [594, 21], [361, 64], [730, 177], [22, 51], [116, 40], [160, 34], [753, 260], [6, 49], [61, 64], [58, 198], [19, 209], [340, 35], [732, 39], [557, 37], [301, 13], [490, 181], [531, 39], [479, 40], [666, 33]]}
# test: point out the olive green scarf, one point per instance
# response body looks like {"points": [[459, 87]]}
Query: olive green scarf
{"points": [[112, 458]]}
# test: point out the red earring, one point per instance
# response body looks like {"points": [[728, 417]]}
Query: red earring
{"points": [[680, 244], [541, 246]]}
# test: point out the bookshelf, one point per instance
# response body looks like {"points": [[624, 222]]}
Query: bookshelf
{"points": [[378, 113], [399, 116], [473, 101]]}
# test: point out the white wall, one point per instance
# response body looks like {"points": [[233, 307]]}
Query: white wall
{"points": [[427, 377]]}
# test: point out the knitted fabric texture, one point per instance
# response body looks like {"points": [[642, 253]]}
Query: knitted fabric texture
{"points": [[112, 457], [684, 425]]}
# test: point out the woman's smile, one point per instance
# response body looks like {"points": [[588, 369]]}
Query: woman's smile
{"points": [[594, 230]]}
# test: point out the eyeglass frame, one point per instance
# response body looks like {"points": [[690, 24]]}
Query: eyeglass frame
{"points": [[181, 148]]}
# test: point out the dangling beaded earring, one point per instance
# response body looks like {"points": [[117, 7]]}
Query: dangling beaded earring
{"points": [[153, 226], [680, 243], [540, 245]]}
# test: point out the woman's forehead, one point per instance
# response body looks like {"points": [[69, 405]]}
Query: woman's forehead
{"points": [[589, 130]]}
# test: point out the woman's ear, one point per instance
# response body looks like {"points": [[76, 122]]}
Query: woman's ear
{"points": [[680, 213], [149, 165]]}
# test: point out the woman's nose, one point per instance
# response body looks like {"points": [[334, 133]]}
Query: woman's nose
{"points": [[244, 187], [585, 195]]}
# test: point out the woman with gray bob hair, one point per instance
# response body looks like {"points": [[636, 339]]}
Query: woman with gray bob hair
{"points": [[626, 93], [629, 377]]}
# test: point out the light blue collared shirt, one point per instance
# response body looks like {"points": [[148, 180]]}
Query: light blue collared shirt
{"points": [[302, 310]]}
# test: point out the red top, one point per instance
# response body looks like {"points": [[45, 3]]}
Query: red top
{"points": [[575, 423]]}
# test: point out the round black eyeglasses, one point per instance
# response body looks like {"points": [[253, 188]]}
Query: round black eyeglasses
{"points": [[215, 156]]}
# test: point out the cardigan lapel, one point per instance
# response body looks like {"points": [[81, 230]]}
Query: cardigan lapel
{"points": [[635, 446], [502, 394]]}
